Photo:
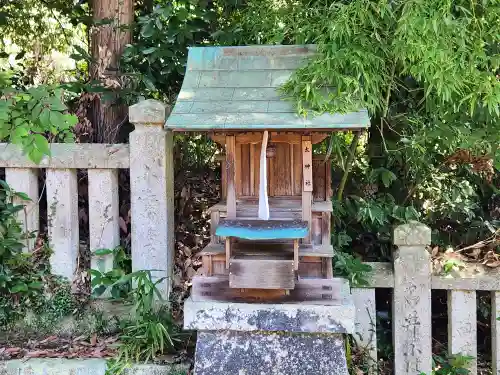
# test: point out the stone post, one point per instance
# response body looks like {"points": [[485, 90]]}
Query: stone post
{"points": [[412, 300], [25, 180], [152, 192]]}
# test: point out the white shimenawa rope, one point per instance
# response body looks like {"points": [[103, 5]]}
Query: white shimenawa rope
{"points": [[263, 201]]}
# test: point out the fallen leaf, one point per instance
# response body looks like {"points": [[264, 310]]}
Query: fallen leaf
{"points": [[123, 225], [187, 251], [36, 354], [475, 253], [493, 263], [50, 338], [190, 272], [111, 340], [12, 350], [97, 353]]}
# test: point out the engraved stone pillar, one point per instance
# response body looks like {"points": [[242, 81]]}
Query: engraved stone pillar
{"points": [[152, 192], [412, 300]]}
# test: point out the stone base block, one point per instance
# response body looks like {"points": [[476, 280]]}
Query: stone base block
{"points": [[289, 317], [269, 353]]}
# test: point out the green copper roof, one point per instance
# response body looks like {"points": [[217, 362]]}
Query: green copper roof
{"points": [[236, 88]]}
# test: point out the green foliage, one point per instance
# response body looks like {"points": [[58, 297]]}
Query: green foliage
{"points": [[346, 265], [17, 26], [451, 365], [194, 152], [151, 331], [356, 218], [15, 283], [364, 45], [36, 37], [103, 281], [32, 118], [352, 268], [25, 281], [427, 71], [157, 59]]}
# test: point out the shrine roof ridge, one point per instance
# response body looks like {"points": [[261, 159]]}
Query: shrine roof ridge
{"points": [[237, 88]]}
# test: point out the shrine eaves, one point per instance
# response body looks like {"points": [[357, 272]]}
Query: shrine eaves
{"points": [[237, 88]]}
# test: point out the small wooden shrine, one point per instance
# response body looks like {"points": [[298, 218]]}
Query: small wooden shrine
{"points": [[271, 231]]}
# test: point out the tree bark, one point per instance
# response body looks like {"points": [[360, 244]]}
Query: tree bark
{"points": [[109, 36]]}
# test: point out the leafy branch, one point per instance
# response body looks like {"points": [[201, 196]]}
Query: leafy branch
{"points": [[33, 118]]}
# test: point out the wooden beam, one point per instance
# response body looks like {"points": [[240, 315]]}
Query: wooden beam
{"points": [[271, 180], [307, 184], [326, 228], [320, 157], [228, 252], [328, 180], [252, 169], [296, 254], [214, 223], [216, 288], [207, 265], [276, 137], [231, 172], [307, 164]]}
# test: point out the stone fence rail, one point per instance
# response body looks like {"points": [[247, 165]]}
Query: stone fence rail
{"points": [[149, 158], [412, 280]]}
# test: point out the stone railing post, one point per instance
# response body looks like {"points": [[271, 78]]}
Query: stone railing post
{"points": [[152, 192], [412, 335], [25, 180]]}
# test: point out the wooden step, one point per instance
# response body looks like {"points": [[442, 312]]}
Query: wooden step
{"points": [[320, 291], [262, 270], [305, 250], [248, 208]]}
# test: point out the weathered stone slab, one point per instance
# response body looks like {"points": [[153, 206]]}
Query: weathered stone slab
{"points": [[67, 155], [103, 216], [82, 367], [462, 325], [291, 317], [276, 353], [366, 335], [62, 220]]}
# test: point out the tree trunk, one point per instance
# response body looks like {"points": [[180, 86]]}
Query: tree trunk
{"points": [[109, 36]]}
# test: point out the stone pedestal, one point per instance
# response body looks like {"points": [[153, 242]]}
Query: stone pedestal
{"points": [[299, 338], [269, 353]]}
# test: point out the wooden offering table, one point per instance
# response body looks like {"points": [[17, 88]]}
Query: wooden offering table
{"points": [[258, 265]]}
